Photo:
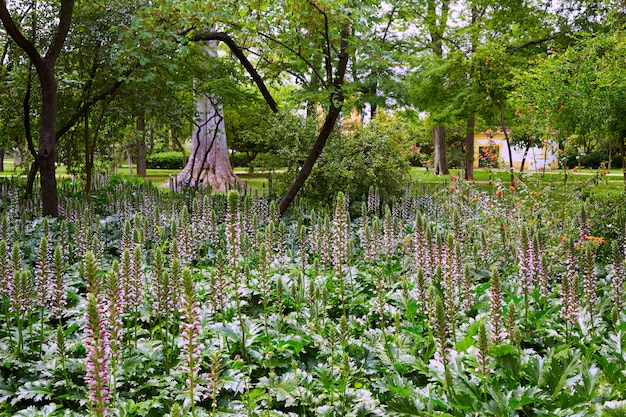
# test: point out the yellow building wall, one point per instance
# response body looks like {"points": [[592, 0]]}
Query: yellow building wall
{"points": [[481, 139]]}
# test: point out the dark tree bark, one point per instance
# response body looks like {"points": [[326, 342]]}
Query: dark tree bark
{"points": [[1, 159], [521, 168], [89, 155], [176, 141], [437, 21], [34, 166], [90, 140], [141, 146], [237, 51], [469, 148], [46, 157], [334, 110], [622, 147]]}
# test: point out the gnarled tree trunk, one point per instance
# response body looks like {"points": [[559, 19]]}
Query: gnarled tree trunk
{"points": [[208, 163]]}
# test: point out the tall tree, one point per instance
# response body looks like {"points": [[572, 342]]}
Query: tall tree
{"points": [[581, 90], [208, 164], [437, 23], [45, 64], [314, 49]]}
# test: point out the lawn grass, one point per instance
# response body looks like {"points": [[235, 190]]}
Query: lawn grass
{"points": [[609, 184]]}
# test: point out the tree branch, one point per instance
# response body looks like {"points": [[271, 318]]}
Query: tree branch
{"points": [[65, 20], [87, 105], [238, 52], [17, 36], [529, 43]]}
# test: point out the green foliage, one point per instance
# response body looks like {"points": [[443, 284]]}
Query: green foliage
{"points": [[366, 345], [591, 160], [268, 140], [354, 162], [165, 160]]}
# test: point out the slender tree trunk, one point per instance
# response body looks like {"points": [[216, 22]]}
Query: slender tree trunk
{"points": [[469, 148], [521, 168], [622, 146], [34, 167], [176, 141], [141, 146], [314, 153], [336, 97], [441, 161], [88, 156], [91, 141], [508, 145], [151, 143], [1, 159]]}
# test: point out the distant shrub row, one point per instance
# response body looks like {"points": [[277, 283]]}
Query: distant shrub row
{"points": [[165, 160], [592, 160]]}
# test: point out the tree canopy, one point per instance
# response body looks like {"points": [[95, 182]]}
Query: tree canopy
{"points": [[108, 73]]}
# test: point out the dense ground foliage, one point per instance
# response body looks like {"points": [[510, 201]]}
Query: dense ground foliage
{"points": [[457, 301]]}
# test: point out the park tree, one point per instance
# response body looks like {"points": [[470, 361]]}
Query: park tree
{"points": [[433, 20], [482, 43], [582, 88], [209, 164], [312, 45], [44, 64]]}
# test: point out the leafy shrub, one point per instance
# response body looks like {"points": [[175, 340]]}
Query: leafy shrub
{"points": [[165, 160], [352, 163], [240, 159], [591, 160]]}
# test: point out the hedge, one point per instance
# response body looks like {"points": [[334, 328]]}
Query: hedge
{"points": [[165, 160]]}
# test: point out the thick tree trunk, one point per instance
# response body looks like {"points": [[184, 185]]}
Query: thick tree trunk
{"points": [[439, 140], [141, 146], [208, 163], [47, 142], [469, 149]]}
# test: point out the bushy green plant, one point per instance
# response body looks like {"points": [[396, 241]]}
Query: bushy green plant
{"points": [[353, 162], [269, 140], [165, 160], [591, 160], [240, 159]]}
